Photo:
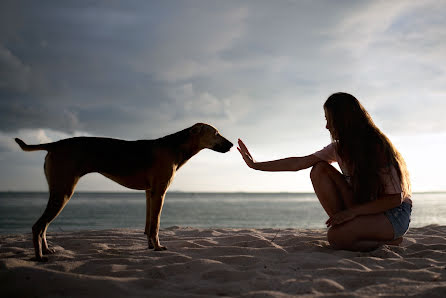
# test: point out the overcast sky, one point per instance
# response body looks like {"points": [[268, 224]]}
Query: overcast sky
{"points": [[258, 70]]}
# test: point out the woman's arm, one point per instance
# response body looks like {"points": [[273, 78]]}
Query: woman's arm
{"points": [[285, 164], [379, 205]]}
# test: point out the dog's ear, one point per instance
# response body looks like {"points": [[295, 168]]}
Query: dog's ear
{"points": [[196, 129]]}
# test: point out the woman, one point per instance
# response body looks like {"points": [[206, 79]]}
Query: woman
{"points": [[368, 204]]}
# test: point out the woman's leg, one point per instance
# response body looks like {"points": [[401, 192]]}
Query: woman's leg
{"points": [[330, 186], [363, 233]]}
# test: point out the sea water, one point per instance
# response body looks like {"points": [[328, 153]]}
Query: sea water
{"points": [[93, 211]]}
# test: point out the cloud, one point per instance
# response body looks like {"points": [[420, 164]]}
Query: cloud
{"points": [[14, 75], [151, 68], [258, 70], [190, 44], [189, 102], [398, 48], [22, 114]]}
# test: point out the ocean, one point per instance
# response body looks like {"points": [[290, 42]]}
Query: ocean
{"points": [[109, 210]]}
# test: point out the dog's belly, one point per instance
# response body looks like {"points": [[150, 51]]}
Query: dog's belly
{"points": [[137, 180]]}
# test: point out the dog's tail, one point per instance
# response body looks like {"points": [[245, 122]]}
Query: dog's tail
{"points": [[26, 147]]}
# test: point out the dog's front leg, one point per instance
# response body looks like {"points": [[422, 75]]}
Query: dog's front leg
{"points": [[148, 217], [156, 206]]}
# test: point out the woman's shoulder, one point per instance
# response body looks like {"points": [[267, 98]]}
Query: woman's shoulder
{"points": [[328, 153]]}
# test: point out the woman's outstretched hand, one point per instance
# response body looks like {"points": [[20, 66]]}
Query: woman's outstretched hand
{"points": [[245, 154]]}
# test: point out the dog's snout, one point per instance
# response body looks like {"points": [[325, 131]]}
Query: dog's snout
{"points": [[223, 146], [229, 145]]}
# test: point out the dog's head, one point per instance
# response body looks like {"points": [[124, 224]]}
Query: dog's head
{"points": [[209, 137]]}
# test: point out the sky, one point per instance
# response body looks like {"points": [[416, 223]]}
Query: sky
{"points": [[256, 70]]}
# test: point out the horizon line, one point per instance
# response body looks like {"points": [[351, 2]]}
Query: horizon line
{"points": [[198, 192]]}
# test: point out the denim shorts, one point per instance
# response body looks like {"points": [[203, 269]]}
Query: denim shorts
{"points": [[399, 218]]}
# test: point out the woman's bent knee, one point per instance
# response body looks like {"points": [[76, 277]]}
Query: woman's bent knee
{"points": [[318, 170]]}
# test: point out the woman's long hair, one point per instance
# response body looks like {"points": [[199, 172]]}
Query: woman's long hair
{"points": [[363, 147]]}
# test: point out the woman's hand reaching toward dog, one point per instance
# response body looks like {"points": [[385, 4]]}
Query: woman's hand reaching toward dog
{"points": [[284, 164], [245, 154]]}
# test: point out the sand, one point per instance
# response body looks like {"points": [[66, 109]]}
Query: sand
{"points": [[221, 262]]}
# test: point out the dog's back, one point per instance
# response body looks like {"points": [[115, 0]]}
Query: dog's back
{"points": [[97, 154]]}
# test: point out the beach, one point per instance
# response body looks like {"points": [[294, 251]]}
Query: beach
{"points": [[203, 262]]}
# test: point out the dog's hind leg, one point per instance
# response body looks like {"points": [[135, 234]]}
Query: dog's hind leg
{"points": [[56, 203], [51, 215], [60, 194]]}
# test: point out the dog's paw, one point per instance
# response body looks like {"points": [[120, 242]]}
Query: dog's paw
{"points": [[48, 251], [160, 248], [40, 259]]}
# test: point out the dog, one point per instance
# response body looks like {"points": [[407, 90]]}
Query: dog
{"points": [[148, 165]]}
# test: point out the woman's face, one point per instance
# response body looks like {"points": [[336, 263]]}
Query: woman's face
{"points": [[329, 124]]}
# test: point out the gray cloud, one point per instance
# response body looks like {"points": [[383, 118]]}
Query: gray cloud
{"points": [[15, 76], [259, 70], [145, 67]]}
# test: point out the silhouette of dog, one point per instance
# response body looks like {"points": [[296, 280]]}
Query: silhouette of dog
{"points": [[148, 165]]}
